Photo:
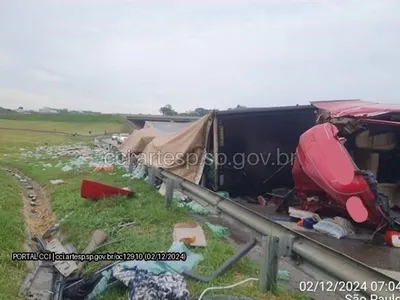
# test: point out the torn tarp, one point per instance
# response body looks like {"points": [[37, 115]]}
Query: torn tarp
{"points": [[145, 285], [153, 267]]}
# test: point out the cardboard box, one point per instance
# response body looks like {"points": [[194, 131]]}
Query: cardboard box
{"points": [[190, 233]]}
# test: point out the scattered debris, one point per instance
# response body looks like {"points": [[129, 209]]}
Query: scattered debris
{"points": [[80, 155], [331, 228], [183, 201], [66, 268], [82, 287], [392, 238], [307, 223], [98, 238], [345, 224], [129, 270], [122, 225], [163, 188], [56, 181], [136, 172], [37, 213], [223, 194], [32, 196], [302, 214], [161, 286], [66, 168], [53, 229], [194, 207], [283, 275], [95, 190], [105, 168], [218, 230], [37, 284], [189, 233]]}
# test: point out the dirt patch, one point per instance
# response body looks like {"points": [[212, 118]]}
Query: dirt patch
{"points": [[36, 208]]}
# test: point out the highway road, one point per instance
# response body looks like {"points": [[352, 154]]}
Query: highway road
{"points": [[380, 257]]}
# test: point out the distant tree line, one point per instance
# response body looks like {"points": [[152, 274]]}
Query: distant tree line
{"points": [[167, 110]]}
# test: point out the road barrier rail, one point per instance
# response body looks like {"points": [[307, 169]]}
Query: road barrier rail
{"points": [[332, 270]]}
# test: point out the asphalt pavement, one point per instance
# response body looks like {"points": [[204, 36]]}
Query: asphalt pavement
{"points": [[383, 258]]}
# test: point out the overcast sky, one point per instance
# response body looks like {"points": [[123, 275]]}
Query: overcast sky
{"points": [[136, 56]]}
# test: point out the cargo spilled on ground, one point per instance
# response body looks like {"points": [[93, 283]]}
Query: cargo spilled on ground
{"points": [[59, 164]]}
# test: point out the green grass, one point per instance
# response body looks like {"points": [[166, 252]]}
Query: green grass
{"points": [[12, 236], [96, 128], [70, 118], [152, 233]]}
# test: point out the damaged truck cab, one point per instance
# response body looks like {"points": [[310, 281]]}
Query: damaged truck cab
{"points": [[347, 162]]}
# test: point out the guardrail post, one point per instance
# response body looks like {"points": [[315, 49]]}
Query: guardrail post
{"points": [[285, 245], [269, 263], [170, 185], [130, 162], [152, 177]]}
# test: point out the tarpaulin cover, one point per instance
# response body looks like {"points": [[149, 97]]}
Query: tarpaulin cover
{"points": [[356, 108], [182, 152], [138, 140]]}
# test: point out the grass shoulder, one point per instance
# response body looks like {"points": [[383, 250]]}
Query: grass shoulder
{"points": [[12, 237], [153, 231]]}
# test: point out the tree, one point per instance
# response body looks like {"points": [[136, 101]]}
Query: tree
{"points": [[167, 110], [201, 111], [198, 112], [237, 107]]}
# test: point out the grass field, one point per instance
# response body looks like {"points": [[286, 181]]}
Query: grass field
{"points": [[96, 128], [153, 232], [12, 236], [62, 117]]}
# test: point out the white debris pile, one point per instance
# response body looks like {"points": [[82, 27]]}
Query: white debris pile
{"points": [[73, 156]]}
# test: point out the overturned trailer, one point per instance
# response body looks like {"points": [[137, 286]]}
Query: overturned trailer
{"points": [[337, 156], [254, 148]]}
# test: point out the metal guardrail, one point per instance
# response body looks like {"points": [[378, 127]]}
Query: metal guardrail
{"points": [[334, 271]]}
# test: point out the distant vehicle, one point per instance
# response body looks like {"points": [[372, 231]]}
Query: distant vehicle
{"points": [[115, 136], [122, 137]]}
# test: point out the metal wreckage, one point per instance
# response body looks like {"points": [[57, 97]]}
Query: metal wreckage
{"points": [[344, 163], [348, 163]]}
